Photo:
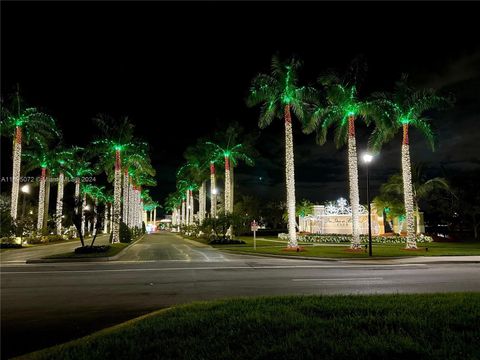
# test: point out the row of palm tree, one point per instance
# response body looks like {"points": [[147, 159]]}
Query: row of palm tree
{"points": [[335, 103], [116, 149], [202, 160]]}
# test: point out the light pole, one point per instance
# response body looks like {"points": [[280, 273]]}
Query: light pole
{"points": [[367, 159], [25, 190]]}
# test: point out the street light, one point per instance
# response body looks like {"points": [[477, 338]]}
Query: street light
{"points": [[367, 159], [25, 190], [214, 191]]}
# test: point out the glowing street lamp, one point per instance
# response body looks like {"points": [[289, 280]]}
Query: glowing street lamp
{"points": [[367, 159], [215, 191], [25, 190]]}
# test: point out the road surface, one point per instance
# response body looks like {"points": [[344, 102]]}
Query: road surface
{"points": [[45, 304]]}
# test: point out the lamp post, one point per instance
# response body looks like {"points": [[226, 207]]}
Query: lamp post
{"points": [[25, 190], [367, 159]]}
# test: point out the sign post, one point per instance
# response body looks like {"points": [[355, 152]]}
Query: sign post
{"points": [[254, 228]]}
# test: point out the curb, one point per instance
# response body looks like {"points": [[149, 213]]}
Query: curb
{"points": [[360, 261], [94, 259]]}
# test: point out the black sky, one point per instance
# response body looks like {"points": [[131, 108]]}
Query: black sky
{"points": [[181, 69]]}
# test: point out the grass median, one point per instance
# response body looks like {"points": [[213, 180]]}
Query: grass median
{"points": [[272, 245], [113, 249], [434, 326]]}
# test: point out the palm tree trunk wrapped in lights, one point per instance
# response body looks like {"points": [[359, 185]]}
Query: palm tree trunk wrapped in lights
{"points": [[408, 190], [131, 200], [126, 186], [290, 179], [58, 218], [17, 157], [202, 201], [117, 195], [353, 182], [183, 219], [77, 192], [213, 191], [41, 199], [191, 208], [187, 206], [82, 209], [105, 219], [228, 185]]}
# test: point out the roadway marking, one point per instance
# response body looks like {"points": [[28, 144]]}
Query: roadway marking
{"points": [[217, 268], [341, 279]]}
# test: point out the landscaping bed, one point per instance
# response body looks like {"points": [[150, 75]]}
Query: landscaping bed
{"points": [[89, 252]]}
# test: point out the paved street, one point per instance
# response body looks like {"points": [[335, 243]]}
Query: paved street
{"points": [[51, 303]]}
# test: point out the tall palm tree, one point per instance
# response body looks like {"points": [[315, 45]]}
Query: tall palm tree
{"points": [[117, 137], [340, 110], [26, 124], [40, 157], [80, 168], [231, 154], [62, 165], [402, 109], [280, 94]]}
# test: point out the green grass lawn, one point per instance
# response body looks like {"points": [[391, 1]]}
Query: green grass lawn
{"points": [[434, 326], [272, 245], [113, 250]]}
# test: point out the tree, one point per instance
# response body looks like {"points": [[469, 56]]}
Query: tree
{"points": [[340, 110], [26, 124], [117, 137], [404, 108], [280, 94], [44, 157], [231, 152], [62, 164]]}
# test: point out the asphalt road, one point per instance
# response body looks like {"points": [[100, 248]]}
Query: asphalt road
{"points": [[45, 304]]}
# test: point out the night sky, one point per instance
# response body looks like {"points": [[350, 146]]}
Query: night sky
{"points": [[180, 70]]}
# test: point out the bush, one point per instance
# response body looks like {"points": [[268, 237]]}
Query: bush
{"points": [[5, 245], [345, 238], [226, 241], [125, 233], [92, 249], [144, 229]]}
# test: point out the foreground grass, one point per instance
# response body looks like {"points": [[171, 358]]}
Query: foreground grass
{"points": [[113, 250], [436, 326], [271, 245]]}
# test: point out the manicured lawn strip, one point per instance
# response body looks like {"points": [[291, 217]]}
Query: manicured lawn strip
{"points": [[379, 250], [434, 326], [113, 250], [341, 250]]}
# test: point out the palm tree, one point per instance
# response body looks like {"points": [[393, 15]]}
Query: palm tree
{"points": [[231, 153], [62, 165], [27, 124], [135, 161], [280, 94], [402, 109], [80, 167], [40, 157], [421, 188], [340, 110], [117, 138]]}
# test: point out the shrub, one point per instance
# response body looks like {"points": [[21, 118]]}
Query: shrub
{"points": [[125, 233], [144, 229], [345, 238], [92, 249], [4, 245], [226, 241]]}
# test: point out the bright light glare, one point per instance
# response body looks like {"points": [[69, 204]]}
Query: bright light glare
{"points": [[26, 189], [367, 158]]}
